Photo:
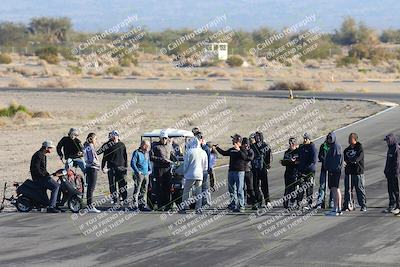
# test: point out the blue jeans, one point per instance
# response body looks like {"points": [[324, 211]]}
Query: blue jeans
{"points": [[49, 184], [80, 163], [235, 188], [322, 189]]}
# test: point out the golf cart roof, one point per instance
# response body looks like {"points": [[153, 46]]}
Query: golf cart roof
{"points": [[171, 133]]}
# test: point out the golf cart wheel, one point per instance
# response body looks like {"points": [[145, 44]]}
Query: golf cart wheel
{"points": [[75, 204], [23, 204]]}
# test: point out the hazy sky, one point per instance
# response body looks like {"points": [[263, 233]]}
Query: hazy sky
{"points": [[96, 15]]}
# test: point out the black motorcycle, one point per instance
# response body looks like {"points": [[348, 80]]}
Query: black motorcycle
{"points": [[32, 196]]}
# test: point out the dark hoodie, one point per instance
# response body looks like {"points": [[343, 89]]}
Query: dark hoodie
{"points": [[354, 158], [262, 154], [323, 149], [334, 156], [308, 157], [392, 167]]}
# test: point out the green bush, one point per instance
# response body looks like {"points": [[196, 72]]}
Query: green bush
{"points": [[115, 71], [12, 109], [5, 59], [234, 61], [67, 54], [49, 53]]}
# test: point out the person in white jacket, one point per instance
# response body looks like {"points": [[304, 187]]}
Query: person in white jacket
{"points": [[194, 165]]}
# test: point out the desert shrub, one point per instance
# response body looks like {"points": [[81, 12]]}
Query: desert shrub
{"points": [[217, 74], [203, 86], [48, 53], [66, 53], [59, 82], [75, 69], [243, 86], [114, 70], [295, 86], [19, 83], [5, 59], [346, 61], [12, 109], [234, 61]]}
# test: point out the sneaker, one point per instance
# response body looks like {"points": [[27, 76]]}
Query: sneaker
{"points": [[396, 211], [254, 207], [331, 213], [363, 209], [339, 212], [52, 210], [388, 210], [318, 207], [306, 208], [145, 209], [183, 211], [199, 211], [93, 210], [268, 205]]}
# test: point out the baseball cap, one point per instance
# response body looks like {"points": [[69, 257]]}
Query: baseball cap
{"points": [[245, 141], [237, 137], [114, 133], [163, 134], [47, 144], [307, 136]]}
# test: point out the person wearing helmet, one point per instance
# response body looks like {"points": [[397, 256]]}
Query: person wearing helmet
{"points": [[260, 166], [70, 147], [162, 155], [290, 161], [117, 163], [308, 157], [41, 176]]}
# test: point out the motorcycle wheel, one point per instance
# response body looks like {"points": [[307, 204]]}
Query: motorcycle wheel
{"points": [[23, 204], [75, 204]]}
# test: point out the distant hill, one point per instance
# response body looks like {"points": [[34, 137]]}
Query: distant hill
{"points": [[95, 15]]}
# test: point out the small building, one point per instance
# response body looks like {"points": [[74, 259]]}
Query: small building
{"points": [[220, 50]]}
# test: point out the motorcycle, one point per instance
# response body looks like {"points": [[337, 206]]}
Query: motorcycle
{"points": [[30, 195]]}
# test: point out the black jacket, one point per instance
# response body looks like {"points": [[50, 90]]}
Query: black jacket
{"points": [[39, 165], [392, 166], [288, 162], [249, 157], [70, 146], [308, 157], [237, 158], [354, 158], [262, 155], [115, 155]]}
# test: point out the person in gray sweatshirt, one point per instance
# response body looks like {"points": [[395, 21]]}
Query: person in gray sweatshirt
{"points": [[194, 165], [333, 164]]}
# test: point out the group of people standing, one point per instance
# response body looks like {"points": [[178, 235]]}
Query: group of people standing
{"points": [[249, 162], [301, 162]]}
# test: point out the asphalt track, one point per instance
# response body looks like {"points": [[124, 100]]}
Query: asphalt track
{"points": [[160, 239]]}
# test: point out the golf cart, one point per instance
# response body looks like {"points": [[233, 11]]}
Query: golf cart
{"points": [[178, 140]]}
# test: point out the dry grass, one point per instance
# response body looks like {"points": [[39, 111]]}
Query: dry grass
{"points": [[42, 114], [218, 74], [18, 82], [46, 68], [296, 86], [203, 86], [59, 82], [21, 117], [245, 86]]}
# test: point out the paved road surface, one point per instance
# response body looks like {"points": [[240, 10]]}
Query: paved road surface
{"points": [[159, 239]]}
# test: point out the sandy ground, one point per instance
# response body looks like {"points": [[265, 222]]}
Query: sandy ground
{"points": [[133, 114]]}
